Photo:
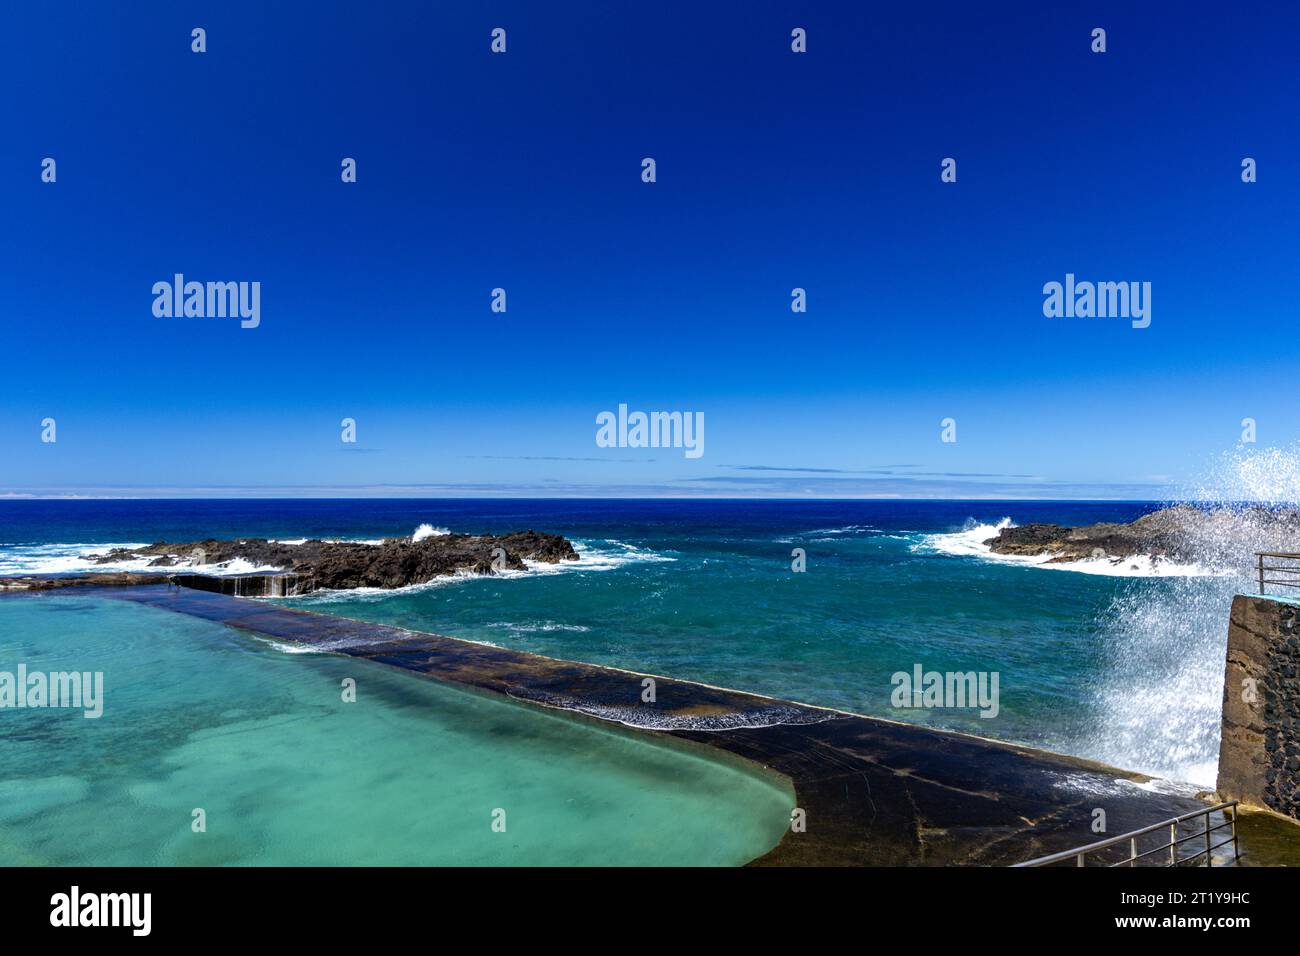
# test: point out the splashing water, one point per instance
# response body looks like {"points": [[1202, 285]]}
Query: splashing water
{"points": [[428, 531], [1159, 706]]}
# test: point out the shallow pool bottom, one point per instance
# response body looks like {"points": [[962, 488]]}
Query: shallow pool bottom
{"points": [[201, 717]]}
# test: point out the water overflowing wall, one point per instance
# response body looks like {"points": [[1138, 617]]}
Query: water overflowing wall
{"points": [[1259, 750], [245, 585]]}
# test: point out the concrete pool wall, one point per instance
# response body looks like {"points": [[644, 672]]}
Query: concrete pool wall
{"points": [[868, 791]]}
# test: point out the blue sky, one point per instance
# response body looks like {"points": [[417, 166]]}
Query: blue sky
{"points": [[522, 171]]}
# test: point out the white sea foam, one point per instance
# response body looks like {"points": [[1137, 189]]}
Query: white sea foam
{"points": [[333, 645], [650, 718], [971, 541], [234, 566], [537, 627], [298, 541], [611, 553], [286, 648], [65, 558], [848, 529], [968, 542], [80, 559], [614, 554], [73, 558], [608, 555], [1097, 784], [369, 595]]}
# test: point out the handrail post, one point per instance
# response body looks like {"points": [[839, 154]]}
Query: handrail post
{"points": [[1260, 556], [1173, 844], [1080, 860], [1132, 851], [1208, 860], [1236, 854]]}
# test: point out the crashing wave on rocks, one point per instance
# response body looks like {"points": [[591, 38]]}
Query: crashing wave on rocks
{"points": [[1049, 546], [313, 564], [607, 555]]}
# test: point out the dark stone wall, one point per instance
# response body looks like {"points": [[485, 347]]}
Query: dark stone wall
{"points": [[1259, 748], [243, 585]]}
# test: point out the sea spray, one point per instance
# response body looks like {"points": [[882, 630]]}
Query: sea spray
{"points": [[1158, 704], [1160, 695]]}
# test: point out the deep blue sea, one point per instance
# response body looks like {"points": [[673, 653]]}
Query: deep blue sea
{"points": [[1097, 660]]}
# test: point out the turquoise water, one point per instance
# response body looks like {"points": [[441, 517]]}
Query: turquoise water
{"points": [[1116, 666], [720, 604], [198, 715]]}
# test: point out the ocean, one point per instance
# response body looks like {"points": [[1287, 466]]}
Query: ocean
{"points": [[1116, 662]]}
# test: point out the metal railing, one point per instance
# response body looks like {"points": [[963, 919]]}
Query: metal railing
{"points": [[1288, 574], [1080, 854]]}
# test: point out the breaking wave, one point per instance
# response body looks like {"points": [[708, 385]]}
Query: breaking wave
{"points": [[65, 558], [1160, 700], [970, 542], [609, 555], [61, 559]]}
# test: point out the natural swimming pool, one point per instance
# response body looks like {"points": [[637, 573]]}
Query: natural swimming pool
{"points": [[200, 716]]}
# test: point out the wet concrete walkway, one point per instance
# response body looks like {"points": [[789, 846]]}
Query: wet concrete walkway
{"points": [[874, 792]]}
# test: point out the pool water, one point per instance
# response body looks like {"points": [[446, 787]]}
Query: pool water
{"points": [[201, 716]]}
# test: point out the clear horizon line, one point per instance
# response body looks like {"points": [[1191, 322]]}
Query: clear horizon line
{"points": [[257, 495]]}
